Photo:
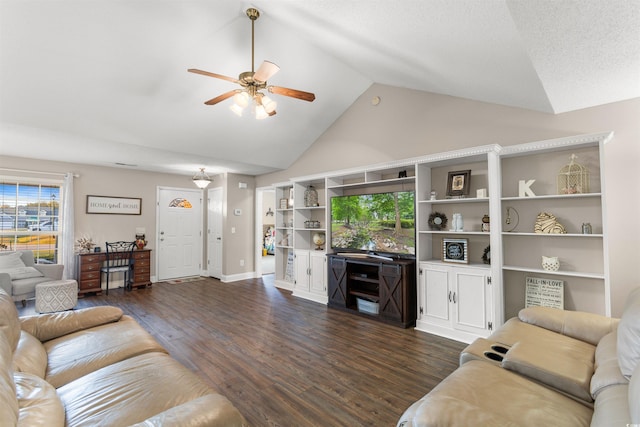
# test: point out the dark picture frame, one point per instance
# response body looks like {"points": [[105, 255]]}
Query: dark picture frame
{"points": [[458, 183], [455, 250]]}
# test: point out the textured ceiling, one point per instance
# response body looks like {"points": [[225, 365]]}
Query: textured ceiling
{"points": [[105, 81]]}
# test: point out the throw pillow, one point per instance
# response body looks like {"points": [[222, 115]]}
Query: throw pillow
{"points": [[629, 335], [11, 260]]}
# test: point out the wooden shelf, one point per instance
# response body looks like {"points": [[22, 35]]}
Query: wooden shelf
{"points": [[557, 273]]}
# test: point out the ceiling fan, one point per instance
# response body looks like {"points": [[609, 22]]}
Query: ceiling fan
{"points": [[253, 83]]}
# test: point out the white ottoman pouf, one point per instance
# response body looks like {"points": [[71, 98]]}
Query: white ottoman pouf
{"points": [[58, 295]]}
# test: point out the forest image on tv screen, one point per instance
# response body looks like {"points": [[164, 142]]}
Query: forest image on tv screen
{"points": [[382, 222]]}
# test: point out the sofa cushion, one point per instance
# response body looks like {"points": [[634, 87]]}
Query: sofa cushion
{"points": [[39, 403], [22, 272], [30, 356], [634, 396], [9, 321], [607, 371], [482, 394], [564, 363], [589, 327], [8, 398], [629, 335], [11, 260], [135, 389], [48, 326], [80, 353], [611, 407]]}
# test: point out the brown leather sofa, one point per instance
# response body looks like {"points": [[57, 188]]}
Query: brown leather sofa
{"points": [[95, 367], [546, 367]]}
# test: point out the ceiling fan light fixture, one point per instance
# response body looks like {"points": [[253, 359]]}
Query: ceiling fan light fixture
{"points": [[269, 104], [201, 179], [241, 99], [266, 71], [261, 112]]}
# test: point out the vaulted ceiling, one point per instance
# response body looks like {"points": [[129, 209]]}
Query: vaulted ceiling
{"points": [[105, 82]]}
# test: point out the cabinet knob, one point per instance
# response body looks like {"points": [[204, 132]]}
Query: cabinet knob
{"points": [[449, 296]]}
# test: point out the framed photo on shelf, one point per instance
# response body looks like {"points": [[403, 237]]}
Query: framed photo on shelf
{"points": [[284, 203], [458, 183], [455, 250]]}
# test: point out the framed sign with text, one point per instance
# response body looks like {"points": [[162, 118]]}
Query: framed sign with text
{"points": [[114, 205]]}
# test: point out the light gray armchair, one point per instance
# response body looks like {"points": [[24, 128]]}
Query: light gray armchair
{"points": [[19, 274]]}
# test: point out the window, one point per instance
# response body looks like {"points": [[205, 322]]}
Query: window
{"points": [[29, 213]]}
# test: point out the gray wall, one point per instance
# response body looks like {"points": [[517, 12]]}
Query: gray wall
{"points": [[409, 123]]}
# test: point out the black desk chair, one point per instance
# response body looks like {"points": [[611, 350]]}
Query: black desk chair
{"points": [[119, 259]]}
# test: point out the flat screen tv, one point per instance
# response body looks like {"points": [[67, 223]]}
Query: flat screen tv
{"points": [[381, 223]]}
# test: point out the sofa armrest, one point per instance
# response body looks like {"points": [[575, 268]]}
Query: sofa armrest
{"points": [[5, 283], [52, 271], [588, 327], [48, 326], [209, 410]]}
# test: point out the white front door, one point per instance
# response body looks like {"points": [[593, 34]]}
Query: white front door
{"points": [[179, 232], [214, 238]]}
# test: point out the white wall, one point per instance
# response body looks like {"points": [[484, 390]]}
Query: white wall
{"points": [[409, 123]]}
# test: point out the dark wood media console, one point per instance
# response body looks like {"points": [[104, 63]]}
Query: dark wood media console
{"points": [[389, 284]]}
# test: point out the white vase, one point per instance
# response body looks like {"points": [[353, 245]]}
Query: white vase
{"points": [[550, 263], [458, 222]]}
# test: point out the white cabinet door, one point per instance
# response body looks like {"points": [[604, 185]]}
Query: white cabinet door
{"points": [[436, 285], [302, 271], [471, 299], [457, 301], [318, 272]]}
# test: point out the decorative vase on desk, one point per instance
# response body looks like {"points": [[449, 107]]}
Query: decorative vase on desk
{"points": [[140, 241]]}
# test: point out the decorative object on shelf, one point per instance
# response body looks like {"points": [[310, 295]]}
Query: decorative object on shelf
{"points": [[285, 240], [84, 245], [486, 256], [482, 193], [544, 292], [573, 178], [508, 220], [201, 179], [290, 202], [310, 197], [269, 212], [457, 222], [284, 203], [402, 174], [458, 183], [312, 224], [486, 223], [550, 263], [290, 223], [547, 223], [586, 228], [433, 195], [455, 250], [319, 239], [524, 188], [437, 221], [140, 241]]}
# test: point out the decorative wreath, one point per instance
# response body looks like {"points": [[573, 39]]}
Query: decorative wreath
{"points": [[486, 256], [437, 221]]}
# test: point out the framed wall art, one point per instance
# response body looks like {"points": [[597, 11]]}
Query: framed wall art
{"points": [[458, 183], [114, 205], [455, 250]]}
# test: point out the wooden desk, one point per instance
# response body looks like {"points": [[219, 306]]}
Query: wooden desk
{"points": [[89, 265]]}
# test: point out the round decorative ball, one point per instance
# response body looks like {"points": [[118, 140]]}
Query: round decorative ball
{"points": [[318, 240]]}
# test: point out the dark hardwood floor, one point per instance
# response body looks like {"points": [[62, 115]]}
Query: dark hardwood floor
{"points": [[285, 361]]}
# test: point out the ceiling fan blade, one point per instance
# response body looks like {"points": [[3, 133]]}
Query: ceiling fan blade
{"points": [[221, 98], [293, 93], [266, 70], [217, 76]]}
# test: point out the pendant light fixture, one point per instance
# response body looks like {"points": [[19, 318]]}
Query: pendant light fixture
{"points": [[201, 179]]}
